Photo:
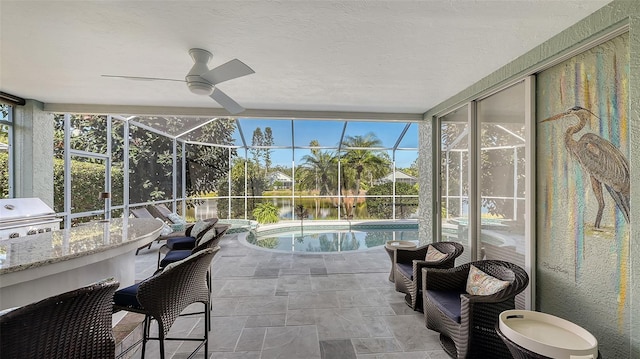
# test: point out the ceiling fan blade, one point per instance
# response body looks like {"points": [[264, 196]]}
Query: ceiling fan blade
{"points": [[227, 102], [230, 70], [138, 78]]}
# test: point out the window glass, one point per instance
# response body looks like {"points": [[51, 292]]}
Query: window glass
{"points": [[6, 163], [117, 162], [150, 166], [89, 133], [502, 176], [454, 179]]}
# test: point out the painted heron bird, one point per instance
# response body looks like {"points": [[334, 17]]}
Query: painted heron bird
{"points": [[600, 159]]}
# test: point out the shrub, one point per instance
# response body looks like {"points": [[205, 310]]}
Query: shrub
{"points": [[266, 212]]}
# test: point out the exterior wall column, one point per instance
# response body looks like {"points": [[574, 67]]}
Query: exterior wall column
{"points": [[33, 141], [426, 201]]}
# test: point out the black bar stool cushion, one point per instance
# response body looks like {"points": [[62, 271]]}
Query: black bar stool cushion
{"points": [[174, 256], [127, 297], [180, 243]]}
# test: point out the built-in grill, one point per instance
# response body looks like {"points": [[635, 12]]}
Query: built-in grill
{"points": [[25, 216]]}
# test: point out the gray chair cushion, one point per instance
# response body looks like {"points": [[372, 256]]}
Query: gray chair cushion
{"points": [[406, 269], [448, 302]]}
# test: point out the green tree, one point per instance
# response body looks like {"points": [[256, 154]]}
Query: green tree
{"points": [[319, 172], [412, 170], [4, 175], [360, 158], [314, 144], [497, 179], [268, 141], [256, 141], [151, 155], [381, 207], [255, 186], [208, 165]]}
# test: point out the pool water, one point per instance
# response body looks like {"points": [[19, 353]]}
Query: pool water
{"points": [[329, 240]]}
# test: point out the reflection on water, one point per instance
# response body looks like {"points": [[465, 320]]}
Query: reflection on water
{"points": [[323, 208], [329, 240]]}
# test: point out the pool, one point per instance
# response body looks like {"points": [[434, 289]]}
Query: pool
{"points": [[327, 240]]}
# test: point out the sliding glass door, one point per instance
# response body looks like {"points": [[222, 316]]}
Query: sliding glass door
{"points": [[455, 136], [485, 172]]}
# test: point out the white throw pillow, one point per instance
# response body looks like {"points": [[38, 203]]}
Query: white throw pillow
{"points": [[434, 255], [480, 283], [166, 229]]}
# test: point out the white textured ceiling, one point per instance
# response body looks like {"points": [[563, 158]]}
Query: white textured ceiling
{"points": [[373, 56]]}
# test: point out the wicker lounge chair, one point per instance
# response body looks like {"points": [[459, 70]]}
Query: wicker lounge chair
{"points": [[408, 264], [161, 211], [75, 324], [165, 295], [466, 323]]}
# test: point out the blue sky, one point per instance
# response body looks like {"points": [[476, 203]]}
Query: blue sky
{"points": [[328, 133]]}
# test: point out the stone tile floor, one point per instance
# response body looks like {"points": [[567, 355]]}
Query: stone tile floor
{"points": [[269, 305]]}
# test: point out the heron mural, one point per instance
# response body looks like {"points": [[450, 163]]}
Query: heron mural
{"points": [[584, 172], [600, 159]]}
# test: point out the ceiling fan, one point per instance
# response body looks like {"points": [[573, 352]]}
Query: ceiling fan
{"points": [[202, 81]]}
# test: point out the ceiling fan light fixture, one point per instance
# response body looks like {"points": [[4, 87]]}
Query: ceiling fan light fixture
{"points": [[197, 84], [199, 88]]}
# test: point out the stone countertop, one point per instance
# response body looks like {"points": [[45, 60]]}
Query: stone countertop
{"points": [[42, 249]]}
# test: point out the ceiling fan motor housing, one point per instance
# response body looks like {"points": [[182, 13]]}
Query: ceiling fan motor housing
{"points": [[197, 84]]}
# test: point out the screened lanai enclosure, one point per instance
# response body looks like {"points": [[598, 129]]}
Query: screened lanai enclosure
{"points": [[235, 168]]}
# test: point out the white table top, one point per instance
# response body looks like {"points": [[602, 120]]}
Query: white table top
{"points": [[18, 254]]}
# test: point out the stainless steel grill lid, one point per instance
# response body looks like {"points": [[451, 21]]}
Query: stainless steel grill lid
{"points": [[12, 209], [24, 216]]}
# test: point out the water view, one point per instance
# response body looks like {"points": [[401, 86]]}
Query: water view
{"points": [[319, 208]]}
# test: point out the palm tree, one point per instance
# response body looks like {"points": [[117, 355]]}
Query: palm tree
{"points": [[363, 159], [320, 167]]}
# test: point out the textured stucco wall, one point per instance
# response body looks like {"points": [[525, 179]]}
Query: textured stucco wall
{"points": [[33, 130], [426, 200], [614, 344]]}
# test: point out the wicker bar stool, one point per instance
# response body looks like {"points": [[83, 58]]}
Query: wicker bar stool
{"points": [[166, 294], [209, 239], [198, 233], [75, 324]]}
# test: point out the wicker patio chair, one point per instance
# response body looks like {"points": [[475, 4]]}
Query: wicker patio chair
{"points": [[408, 264], [466, 323], [166, 294], [75, 324]]}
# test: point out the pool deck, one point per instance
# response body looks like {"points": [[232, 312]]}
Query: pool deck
{"points": [[283, 305]]}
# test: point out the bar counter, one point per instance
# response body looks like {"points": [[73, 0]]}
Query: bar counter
{"points": [[41, 265]]}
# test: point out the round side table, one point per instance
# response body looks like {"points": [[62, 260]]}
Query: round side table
{"points": [[390, 247]]}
